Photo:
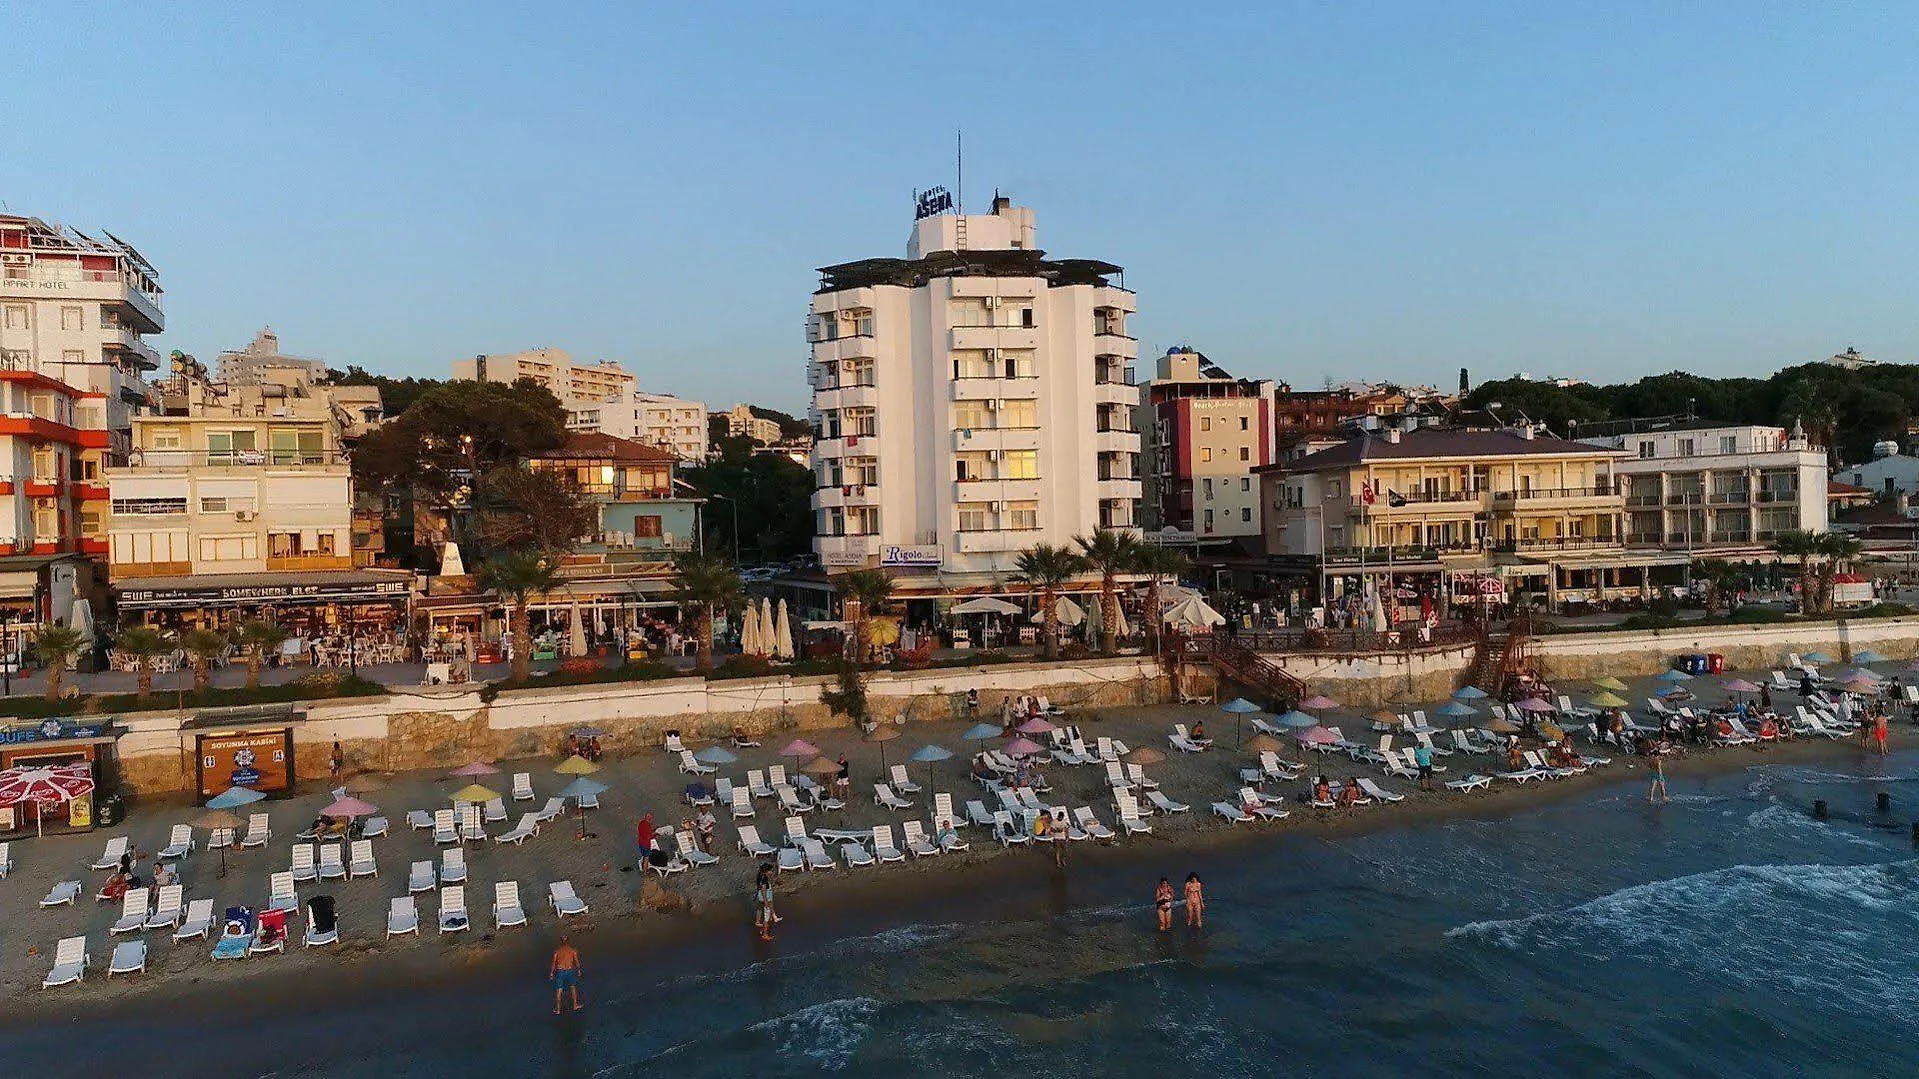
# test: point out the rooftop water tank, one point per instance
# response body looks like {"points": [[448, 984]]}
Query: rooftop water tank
{"points": [[1885, 448]]}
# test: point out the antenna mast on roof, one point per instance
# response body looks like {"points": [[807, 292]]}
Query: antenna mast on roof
{"points": [[959, 170]]}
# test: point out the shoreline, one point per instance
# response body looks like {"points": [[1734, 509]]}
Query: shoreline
{"points": [[713, 936]]}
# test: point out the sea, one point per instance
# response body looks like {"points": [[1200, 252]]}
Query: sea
{"points": [[1731, 932]]}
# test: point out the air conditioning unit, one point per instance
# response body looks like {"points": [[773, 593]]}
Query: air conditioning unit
{"points": [[992, 405], [992, 302], [992, 455], [995, 506], [16, 259], [243, 516], [992, 355]]}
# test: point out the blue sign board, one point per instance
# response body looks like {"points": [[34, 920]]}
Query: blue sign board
{"points": [[52, 730]]}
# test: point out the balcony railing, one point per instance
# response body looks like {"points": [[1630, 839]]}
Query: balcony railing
{"points": [[1556, 543], [1596, 491], [1105, 377], [1685, 498], [150, 458], [1644, 500], [1778, 496], [1731, 498]]}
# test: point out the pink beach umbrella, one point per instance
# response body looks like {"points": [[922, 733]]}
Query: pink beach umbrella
{"points": [[1036, 725], [800, 747], [349, 807], [1319, 700], [477, 768], [1740, 685], [1317, 736], [1022, 747], [1533, 704]]}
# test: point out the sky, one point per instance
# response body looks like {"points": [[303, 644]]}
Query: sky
{"points": [[1307, 192]]}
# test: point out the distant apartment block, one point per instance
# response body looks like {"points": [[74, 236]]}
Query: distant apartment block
{"points": [[244, 366], [740, 421], [552, 368], [1203, 434], [660, 420], [1692, 484]]}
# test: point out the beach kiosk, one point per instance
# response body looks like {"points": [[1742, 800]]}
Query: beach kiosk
{"points": [[55, 742]]}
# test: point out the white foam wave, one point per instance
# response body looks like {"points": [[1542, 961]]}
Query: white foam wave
{"points": [[1778, 817], [829, 1033], [1838, 932]]}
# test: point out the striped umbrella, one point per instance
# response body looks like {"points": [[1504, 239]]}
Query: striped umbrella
{"points": [[57, 783]]}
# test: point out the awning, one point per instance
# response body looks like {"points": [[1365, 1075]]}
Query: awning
{"points": [[1624, 561], [248, 589]]}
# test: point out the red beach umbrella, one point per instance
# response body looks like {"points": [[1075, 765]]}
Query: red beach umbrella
{"points": [[59, 783]]}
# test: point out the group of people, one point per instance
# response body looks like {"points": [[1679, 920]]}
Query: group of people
{"points": [[1164, 897], [587, 747], [127, 876]]}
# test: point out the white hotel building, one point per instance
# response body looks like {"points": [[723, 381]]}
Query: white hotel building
{"points": [[1699, 485], [970, 400]]}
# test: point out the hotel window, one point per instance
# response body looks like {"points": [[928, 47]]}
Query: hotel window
{"points": [[71, 318], [296, 447], [969, 312], [46, 464], [228, 548], [1245, 423], [863, 473], [327, 541], [225, 445], [46, 520], [1019, 465], [1209, 520], [971, 465], [16, 318], [1246, 514], [1023, 414], [1245, 484], [1686, 447], [144, 507], [90, 522], [1646, 451], [975, 516], [1209, 486], [647, 526], [1245, 453], [1205, 423], [226, 504], [1728, 443], [971, 415], [1022, 516], [1205, 454]]}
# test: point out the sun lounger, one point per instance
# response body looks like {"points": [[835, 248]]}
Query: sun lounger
{"points": [[691, 851], [1137, 775], [523, 786], [1028, 801], [1090, 824], [507, 910], [280, 895], [976, 813], [1537, 761], [129, 957], [304, 869], [1164, 804], [1183, 743], [1231, 812], [527, 828], [420, 878], [756, 784], [419, 820], [453, 865], [742, 740], [884, 797], [62, 894], [402, 915], [1116, 777], [180, 844], [316, 937], [116, 850], [1253, 804], [901, 782], [883, 847], [494, 811], [1130, 820], [134, 908], [751, 844], [1378, 793], [550, 811], [1523, 775], [1272, 767], [198, 921], [1007, 832], [471, 828], [373, 828], [857, 856], [453, 917], [332, 865], [446, 829], [69, 963], [270, 935], [742, 803], [166, 908], [913, 834], [258, 834], [361, 864], [691, 766], [1471, 782], [790, 801], [815, 852]]}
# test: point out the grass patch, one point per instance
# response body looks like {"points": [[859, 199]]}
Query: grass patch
{"points": [[308, 688]]}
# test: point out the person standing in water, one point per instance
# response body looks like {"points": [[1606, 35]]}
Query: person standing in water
{"points": [[1195, 902], [1657, 795], [565, 973], [763, 916], [1163, 900]]}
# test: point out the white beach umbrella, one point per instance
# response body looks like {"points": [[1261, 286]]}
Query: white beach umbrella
{"points": [[1065, 611], [1194, 611], [769, 636], [1120, 628], [984, 605], [750, 630], [783, 634], [576, 633]]}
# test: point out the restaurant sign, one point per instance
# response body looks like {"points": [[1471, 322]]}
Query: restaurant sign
{"points": [[921, 555], [52, 730], [341, 592]]}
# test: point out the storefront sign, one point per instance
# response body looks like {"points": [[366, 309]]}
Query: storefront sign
{"points": [[923, 555], [80, 811], [343, 592], [842, 559], [52, 730], [260, 760]]}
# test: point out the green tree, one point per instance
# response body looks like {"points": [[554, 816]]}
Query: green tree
{"points": [[1108, 553], [1801, 546], [767, 495], [204, 647], [1720, 578], [145, 644], [847, 696], [863, 593], [55, 647], [259, 638], [1045, 567], [537, 510], [517, 576], [1159, 564], [1838, 550], [707, 582]]}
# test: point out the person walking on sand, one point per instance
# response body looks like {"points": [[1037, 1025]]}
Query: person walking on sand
{"points": [[1657, 795], [1423, 760], [565, 974], [338, 760], [1195, 902], [763, 916], [1163, 901], [1879, 733]]}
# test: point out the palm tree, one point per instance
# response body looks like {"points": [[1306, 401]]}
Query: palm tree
{"points": [[259, 636], [144, 644], [55, 647], [864, 592], [1046, 567], [203, 647], [517, 576], [709, 582], [1109, 553], [1804, 546], [1719, 577], [1839, 549], [1159, 564]]}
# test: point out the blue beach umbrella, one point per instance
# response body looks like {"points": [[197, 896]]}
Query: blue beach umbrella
{"points": [[1470, 693], [1298, 720], [1675, 676], [234, 798], [582, 788], [1868, 656], [927, 755], [981, 732], [715, 755], [1815, 657], [1457, 708], [1239, 706]]}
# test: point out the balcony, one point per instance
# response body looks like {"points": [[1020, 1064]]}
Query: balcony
{"points": [[1002, 337], [1730, 498], [1423, 504], [846, 395], [832, 549], [1557, 543], [1541, 499], [995, 389], [855, 347], [1114, 344], [124, 340], [1387, 555], [150, 460], [852, 494], [1116, 441], [852, 299], [848, 446], [1777, 496], [302, 562], [1116, 515], [995, 540], [1685, 498], [1116, 298], [1115, 393], [996, 438], [996, 490], [110, 286], [1117, 488]]}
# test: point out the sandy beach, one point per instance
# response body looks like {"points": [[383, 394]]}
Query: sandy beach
{"points": [[629, 921]]}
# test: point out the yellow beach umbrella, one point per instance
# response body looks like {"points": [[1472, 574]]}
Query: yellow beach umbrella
{"points": [[576, 766], [1609, 682], [1608, 700], [475, 793]]}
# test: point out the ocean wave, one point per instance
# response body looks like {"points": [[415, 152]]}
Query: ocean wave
{"points": [[1779, 817], [893, 941], [1839, 932], [1804, 774], [829, 1034]]}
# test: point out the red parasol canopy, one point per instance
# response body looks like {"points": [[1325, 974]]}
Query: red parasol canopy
{"points": [[61, 783]]}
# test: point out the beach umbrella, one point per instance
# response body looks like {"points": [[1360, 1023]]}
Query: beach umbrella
{"points": [[1862, 674], [1036, 725], [1317, 736], [234, 798], [1868, 656], [1456, 709], [1740, 685], [783, 634], [1193, 611], [477, 768], [980, 732], [821, 766], [576, 633], [1502, 725], [984, 605], [1533, 704], [749, 630], [1607, 700], [1262, 743], [1319, 700], [883, 733], [928, 755], [363, 784], [1469, 692], [1022, 747], [582, 788], [1609, 682], [219, 820], [473, 792], [1297, 720], [1237, 707], [576, 765], [55, 783], [1143, 756], [349, 807], [1675, 676], [1815, 657], [716, 755], [800, 747]]}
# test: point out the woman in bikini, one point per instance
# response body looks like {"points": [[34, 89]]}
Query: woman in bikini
{"points": [[1195, 902], [1163, 900]]}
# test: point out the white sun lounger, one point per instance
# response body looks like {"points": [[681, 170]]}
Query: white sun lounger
{"points": [[1184, 744], [419, 820], [742, 804], [976, 813], [751, 844], [258, 833], [1524, 775], [523, 786], [453, 918], [494, 811], [756, 784], [1008, 833], [62, 894], [1272, 767], [453, 865], [314, 938], [420, 878], [361, 864], [446, 829], [198, 921], [303, 868], [506, 905], [559, 896], [1165, 804], [673, 743], [913, 834], [1130, 820], [527, 828], [1471, 782], [691, 765], [129, 957], [857, 856], [116, 849], [883, 847], [1378, 793], [673, 863], [280, 895], [691, 851], [402, 915], [332, 865], [1090, 824], [550, 811], [884, 797], [943, 811], [373, 828], [1137, 775], [472, 830], [1251, 803], [134, 908], [69, 963], [1231, 812], [815, 852], [166, 908], [179, 844], [901, 782]]}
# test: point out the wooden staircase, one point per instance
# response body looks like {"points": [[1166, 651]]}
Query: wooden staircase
{"points": [[1230, 659]]}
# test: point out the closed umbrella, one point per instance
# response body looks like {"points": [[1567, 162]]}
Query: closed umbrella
{"points": [[57, 783], [783, 634], [576, 765], [749, 631], [716, 755], [576, 633], [234, 798], [216, 821], [767, 636]]}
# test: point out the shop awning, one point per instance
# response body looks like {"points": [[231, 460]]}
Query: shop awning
{"points": [[57, 734], [304, 588], [1624, 561], [246, 715]]}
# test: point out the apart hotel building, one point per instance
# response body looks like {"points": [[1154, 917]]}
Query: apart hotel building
{"points": [[970, 400], [1205, 432]]}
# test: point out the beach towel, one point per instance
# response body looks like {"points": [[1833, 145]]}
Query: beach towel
{"points": [[232, 947]]}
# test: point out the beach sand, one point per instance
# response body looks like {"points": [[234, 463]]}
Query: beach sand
{"points": [[704, 902]]}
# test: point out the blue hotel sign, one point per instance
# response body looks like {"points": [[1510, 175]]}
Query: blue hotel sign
{"points": [[53, 730]]}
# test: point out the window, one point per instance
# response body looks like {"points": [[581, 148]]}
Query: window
{"points": [[138, 507], [1246, 514], [1209, 520], [164, 438], [975, 516], [1245, 453], [647, 526], [1728, 443], [15, 318], [327, 541], [971, 465], [73, 355], [1022, 516], [1019, 413], [1645, 450], [70, 318], [46, 464], [1686, 447], [225, 445], [1208, 482], [1244, 423], [229, 548], [226, 504], [971, 415], [296, 447], [1205, 454], [283, 544], [1026, 317], [1019, 465], [1205, 423], [90, 523], [1245, 484]]}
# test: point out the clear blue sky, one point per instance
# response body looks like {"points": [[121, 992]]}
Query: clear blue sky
{"points": [[1301, 191]]}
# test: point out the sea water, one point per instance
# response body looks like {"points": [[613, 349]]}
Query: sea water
{"points": [[1728, 933]]}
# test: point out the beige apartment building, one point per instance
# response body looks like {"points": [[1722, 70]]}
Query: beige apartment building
{"points": [[553, 368]]}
